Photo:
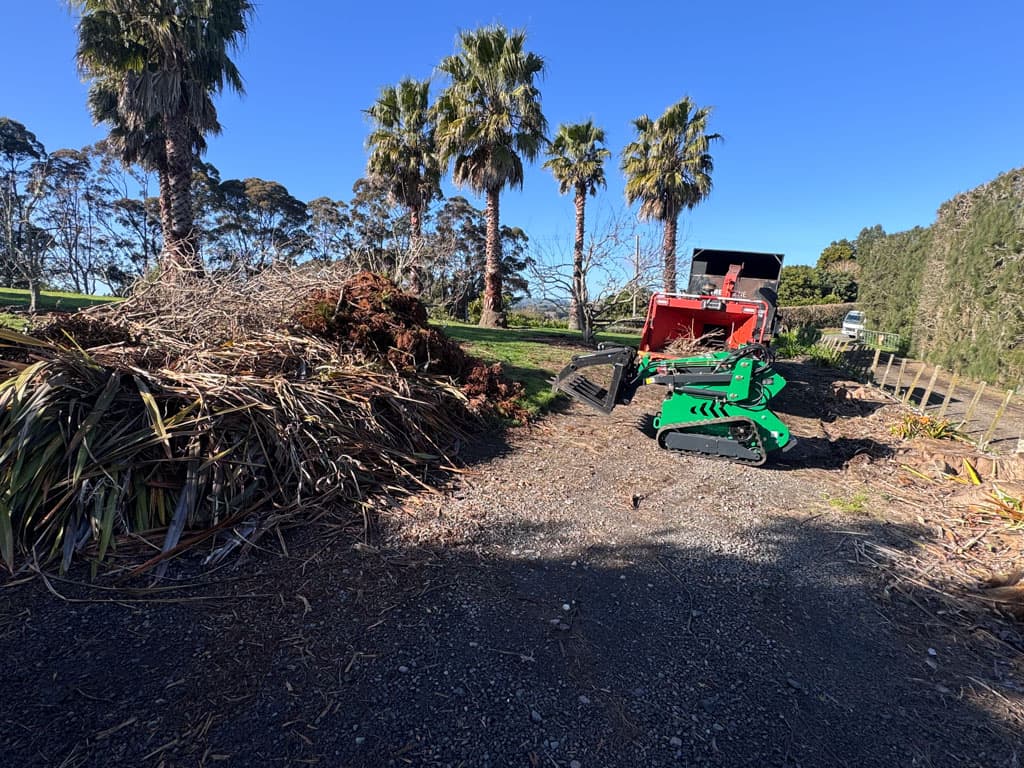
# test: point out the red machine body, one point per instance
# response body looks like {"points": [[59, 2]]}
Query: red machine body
{"points": [[731, 301]]}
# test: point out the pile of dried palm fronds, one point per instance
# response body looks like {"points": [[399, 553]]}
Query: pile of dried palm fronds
{"points": [[196, 419], [974, 564]]}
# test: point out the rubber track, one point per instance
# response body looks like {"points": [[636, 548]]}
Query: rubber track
{"points": [[691, 425]]}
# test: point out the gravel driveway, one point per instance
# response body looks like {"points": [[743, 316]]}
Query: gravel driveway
{"points": [[582, 599]]}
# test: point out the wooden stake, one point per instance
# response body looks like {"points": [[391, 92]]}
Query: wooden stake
{"points": [[910, 392], [973, 405], [928, 390], [995, 420], [949, 395], [888, 367], [874, 361], [899, 377]]}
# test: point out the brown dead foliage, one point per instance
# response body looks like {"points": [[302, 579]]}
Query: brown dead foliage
{"points": [[349, 391], [84, 329], [373, 320]]}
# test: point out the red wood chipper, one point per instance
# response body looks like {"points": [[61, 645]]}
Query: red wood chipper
{"points": [[731, 300]]}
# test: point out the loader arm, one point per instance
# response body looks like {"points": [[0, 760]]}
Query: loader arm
{"points": [[603, 397]]}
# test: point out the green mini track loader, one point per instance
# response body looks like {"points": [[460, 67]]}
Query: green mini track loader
{"points": [[716, 403]]}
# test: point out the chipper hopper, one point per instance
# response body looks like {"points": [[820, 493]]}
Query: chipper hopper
{"points": [[716, 403]]}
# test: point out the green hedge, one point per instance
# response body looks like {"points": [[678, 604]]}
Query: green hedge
{"points": [[815, 315], [956, 288]]}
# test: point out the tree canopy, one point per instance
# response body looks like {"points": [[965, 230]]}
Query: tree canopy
{"points": [[668, 169]]}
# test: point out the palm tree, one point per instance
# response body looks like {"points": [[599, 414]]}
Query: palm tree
{"points": [[668, 168], [403, 157], [488, 120], [164, 60], [576, 159], [145, 147]]}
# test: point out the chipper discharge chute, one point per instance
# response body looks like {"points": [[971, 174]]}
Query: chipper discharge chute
{"points": [[716, 404]]}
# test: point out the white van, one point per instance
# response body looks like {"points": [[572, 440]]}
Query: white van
{"points": [[853, 323]]}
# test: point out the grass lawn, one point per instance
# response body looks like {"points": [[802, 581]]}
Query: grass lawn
{"points": [[14, 322], [50, 300], [530, 355]]}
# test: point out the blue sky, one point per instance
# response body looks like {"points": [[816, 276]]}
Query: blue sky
{"points": [[836, 116]]}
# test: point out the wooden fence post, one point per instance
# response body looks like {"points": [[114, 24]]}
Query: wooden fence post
{"points": [[910, 390], [874, 361], [928, 390], [974, 404], [949, 395], [899, 377], [888, 367], [995, 421]]}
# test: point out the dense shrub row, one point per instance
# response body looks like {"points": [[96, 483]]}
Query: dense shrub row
{"points": [[956, 288], [816, 315]]}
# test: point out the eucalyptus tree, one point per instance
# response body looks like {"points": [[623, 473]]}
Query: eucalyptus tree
{"points": [[329, 229], [256, 224], [24, 243], [163, 61], [668, 169], [403, 157], [489, 120], [576, 158]]}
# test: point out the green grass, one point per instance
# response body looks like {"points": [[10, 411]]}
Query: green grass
{"points": [[14, 322], [529, 355], [51, 300], [853, 504]]}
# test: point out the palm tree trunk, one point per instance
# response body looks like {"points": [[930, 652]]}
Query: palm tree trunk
{"points": [[180, 241], [164, 200], [576, 321], [669, 248], [491, 315], [415, 246]]}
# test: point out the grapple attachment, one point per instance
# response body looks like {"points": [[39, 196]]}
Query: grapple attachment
{"points": [[603, 395]]}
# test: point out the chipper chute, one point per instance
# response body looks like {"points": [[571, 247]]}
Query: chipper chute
{"points": [[716, 403]]}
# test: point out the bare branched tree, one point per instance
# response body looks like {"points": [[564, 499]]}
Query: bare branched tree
{"points": [[620, 266]]}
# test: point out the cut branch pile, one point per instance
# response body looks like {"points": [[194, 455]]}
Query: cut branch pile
{"points": [[132, 420], [973, 503]]}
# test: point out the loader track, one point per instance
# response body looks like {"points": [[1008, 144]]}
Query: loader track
{"points": [[746, 449]]}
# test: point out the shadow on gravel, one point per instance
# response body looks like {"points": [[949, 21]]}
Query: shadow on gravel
{"points": [[807, 394], [824, 453], [633, 654]]}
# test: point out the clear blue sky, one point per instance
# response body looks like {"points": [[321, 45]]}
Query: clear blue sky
{"points": [[836, 115]]}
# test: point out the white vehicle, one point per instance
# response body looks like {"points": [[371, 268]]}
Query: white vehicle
{"points": [[853, 323]]}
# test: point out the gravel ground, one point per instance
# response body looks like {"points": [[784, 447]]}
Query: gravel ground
{"points": [[582, 599]]}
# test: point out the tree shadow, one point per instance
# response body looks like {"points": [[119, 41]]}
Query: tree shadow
{"points": [[646, 652]]}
